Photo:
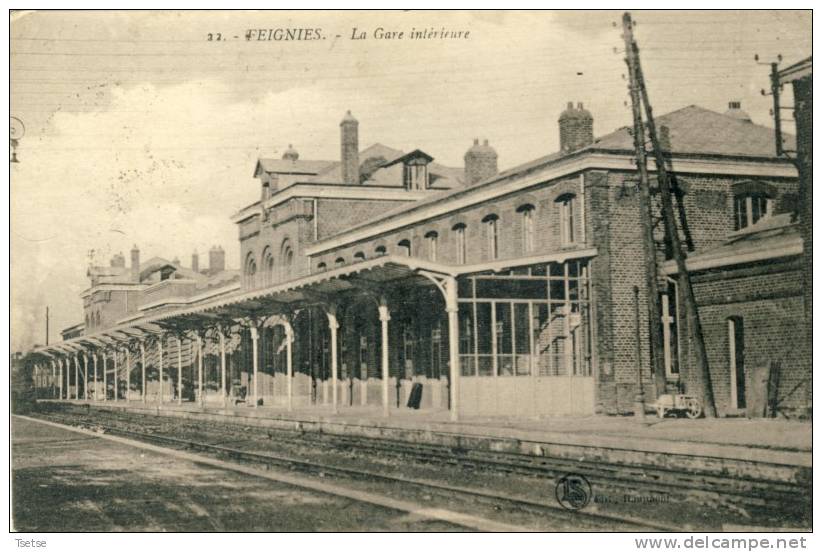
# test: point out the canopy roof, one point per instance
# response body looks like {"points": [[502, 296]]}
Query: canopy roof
{"points": [[379, 275]]}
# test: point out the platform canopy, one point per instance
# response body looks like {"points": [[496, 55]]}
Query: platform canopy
{"points": [[377, 276]]}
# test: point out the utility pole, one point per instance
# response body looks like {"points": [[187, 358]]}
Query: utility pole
{"points": [[777, 118], [676, 246], [645, 217]]}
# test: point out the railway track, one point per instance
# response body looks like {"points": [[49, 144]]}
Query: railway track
{"points": [[702, 488], [545, 513]]}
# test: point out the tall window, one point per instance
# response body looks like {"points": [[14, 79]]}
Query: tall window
{"points": [[379, 251], [321, 267], [492, 235], [459, 242], [415, 176], [527, 213], [736, 356], [405, 248], [431, 239], [749, 208], [250, 270], [286, 259], [268, 267], [567, 214]]}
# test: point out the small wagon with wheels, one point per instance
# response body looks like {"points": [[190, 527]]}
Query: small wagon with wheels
{"points": [[679, 405]]}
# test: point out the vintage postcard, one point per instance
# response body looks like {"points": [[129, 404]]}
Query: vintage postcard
{"points": [[412, 271]]}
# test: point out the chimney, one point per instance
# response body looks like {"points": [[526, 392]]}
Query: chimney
{"points": [[176, 262], [291, 154], [480, 162], [118, 261], [216, 260], [135, 264], [195, 261], [735, 111], [576, 128], [350, 152], [665, 138]]}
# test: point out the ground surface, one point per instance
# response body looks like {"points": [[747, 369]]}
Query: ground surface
{"points": [[68, 482], [776, 434]]}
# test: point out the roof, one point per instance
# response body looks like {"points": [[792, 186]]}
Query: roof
{"points": [[364, 275], [693, 131], [770, 238], [798, 70], [288, 166], [406, 156], [698, 131]]}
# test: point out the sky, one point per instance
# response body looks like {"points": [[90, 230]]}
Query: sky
{"points": [[140, 130]]}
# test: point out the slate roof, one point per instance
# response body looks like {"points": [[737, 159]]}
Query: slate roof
{"points": [[693, 130], [698, 131], [440, 174], [288, 166]]}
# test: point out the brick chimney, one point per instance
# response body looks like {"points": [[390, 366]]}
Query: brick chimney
{"points": [[216, 260], [576, 128], [480, 162], [195, 262], [135, 264], [349, 148]]}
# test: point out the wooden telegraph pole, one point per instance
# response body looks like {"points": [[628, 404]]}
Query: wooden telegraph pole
{"points": [[645, 217], [673, 233]]}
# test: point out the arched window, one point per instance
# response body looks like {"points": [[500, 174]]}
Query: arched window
{"points": [[97, 320], [339, 262], [566, 204], [87, 321], [379, 251], [527, 213], [286, 259], [431, 240], [459, 242], [250, 270], [321, 267], [359, 256], [405, 248], [268, 267], [492, 235]]}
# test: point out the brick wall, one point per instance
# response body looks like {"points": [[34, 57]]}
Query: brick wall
{"points": [[510, 229], [767, 297]]}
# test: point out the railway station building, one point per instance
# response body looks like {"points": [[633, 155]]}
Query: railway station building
{"points": [[501, 293]]}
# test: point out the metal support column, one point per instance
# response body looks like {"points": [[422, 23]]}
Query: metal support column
{"points": [[333, 326], [143, 369], [452, 308], [254, 360], [385, 316], [289, 336], [222, 368], [179, 371], [105, 376], [160, 365], [200, 398], [76, 377], [85, 376]]}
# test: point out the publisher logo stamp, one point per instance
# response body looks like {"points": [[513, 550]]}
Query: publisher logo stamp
{"points": [[573, 491]]}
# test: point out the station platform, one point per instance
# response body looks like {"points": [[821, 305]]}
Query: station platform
{"points": [[765, 448]]}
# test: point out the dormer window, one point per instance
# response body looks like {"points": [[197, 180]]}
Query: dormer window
{"points": [[414, 169], [749, 208], [753, 200], [415, 176]]}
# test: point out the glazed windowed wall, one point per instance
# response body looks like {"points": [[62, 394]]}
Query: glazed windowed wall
{"points": [[529, 321]]}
